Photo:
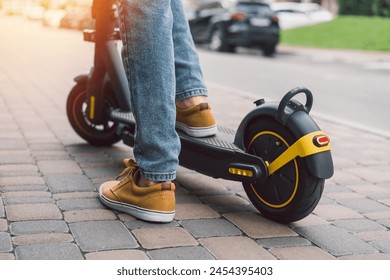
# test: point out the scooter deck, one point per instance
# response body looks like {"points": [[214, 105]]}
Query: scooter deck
{"points": [[222, 140], [215, 156]]}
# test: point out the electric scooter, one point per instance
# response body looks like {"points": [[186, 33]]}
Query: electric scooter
{"points": [[278, 152]]}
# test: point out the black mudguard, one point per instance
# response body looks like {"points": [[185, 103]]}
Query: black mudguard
{"points": [[296, 118]]}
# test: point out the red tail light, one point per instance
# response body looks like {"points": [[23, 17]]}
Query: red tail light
{"points": [[321, 140], [238, 16]]}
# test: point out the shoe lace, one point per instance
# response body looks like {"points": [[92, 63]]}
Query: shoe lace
{"points": [[131, 166]]}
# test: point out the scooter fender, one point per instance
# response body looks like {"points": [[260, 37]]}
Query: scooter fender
{"points": [[80, 79], [297, 120]]}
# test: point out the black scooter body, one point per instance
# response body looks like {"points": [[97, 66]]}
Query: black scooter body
{"points": [[278, 152]]}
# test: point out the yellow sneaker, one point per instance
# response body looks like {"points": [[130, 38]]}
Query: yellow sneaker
{"points": [[154, 203], [196, 121]]}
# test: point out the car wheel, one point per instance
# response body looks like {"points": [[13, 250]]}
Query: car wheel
{"points": [[218, 42], [269, 50]]}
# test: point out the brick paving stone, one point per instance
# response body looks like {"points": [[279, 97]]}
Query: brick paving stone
{"points": [[370, 175], [10, 132], [369, 189], [344, 195], [385, 202], [103, 172], [80, 204], [24, 194], [42, 238], [53, 146], [132, 254], [7, 256], [50, 155], [344, 178], [224, 199], [276, 242], [256, 226], [75, 195], [331, 187], [18, 169], [359, 225], [12, 144], [102, 235], [343, 162], [22, 180], [89, 161], [5, 242], [2, 211], [336, 241], [376, 256], [80, 149], [3, 225], [195, 211], [332, 212], [29, 200], [326, 200], [363, 205], [382, 245], [310, 220], [301, 253], [385, 222], [164, 237], [51, 251], [235, 248], [228, 203], [24, 212], [88, 215], [373, 235], [36, 227], [210, 228], [200, 184], [58, 167], [135, 223], [186, 198], [13, 157], [23, 188], [181, 253], [69, 183], [126, 217]]}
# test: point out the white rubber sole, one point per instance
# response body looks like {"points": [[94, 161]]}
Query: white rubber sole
{"points": [[138, 212], [197, 131]]}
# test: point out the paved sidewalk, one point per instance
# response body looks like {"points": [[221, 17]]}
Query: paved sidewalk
{"points": [[49, 208]]}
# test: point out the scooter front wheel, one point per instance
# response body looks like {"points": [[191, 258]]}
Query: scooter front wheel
{"points": [[290, 193], [76, 107]]}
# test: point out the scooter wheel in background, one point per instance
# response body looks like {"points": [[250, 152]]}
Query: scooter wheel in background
{"points": [[290, 193], [76, 107]]}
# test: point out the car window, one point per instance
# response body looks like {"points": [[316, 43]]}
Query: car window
{"points": [[209, 9], [254, 8]]}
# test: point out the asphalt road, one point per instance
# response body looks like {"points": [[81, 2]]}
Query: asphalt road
{"points": [[348, 87]]}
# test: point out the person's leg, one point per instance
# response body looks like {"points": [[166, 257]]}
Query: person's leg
{"points": [[148, 52], [194, 115], [145, 190], [189, 77]]}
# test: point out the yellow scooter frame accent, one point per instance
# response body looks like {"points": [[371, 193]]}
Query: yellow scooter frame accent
{"points": [[303, 147]]}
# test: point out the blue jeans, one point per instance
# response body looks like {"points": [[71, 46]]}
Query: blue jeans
{"points": [[162, 66]]}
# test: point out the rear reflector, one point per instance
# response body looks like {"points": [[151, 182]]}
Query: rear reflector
{"points": [[321, 140]]}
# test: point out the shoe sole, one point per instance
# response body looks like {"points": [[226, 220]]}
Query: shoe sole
{"points": [[138, 212], [197, 131]]}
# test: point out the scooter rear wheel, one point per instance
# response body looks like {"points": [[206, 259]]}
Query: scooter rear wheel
{"points": [[289, 194], [76, 107]]}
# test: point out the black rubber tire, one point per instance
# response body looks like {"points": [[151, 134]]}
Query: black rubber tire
{"points": [[291, 193], [97, 135], [269, 50], [222, 46]]}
